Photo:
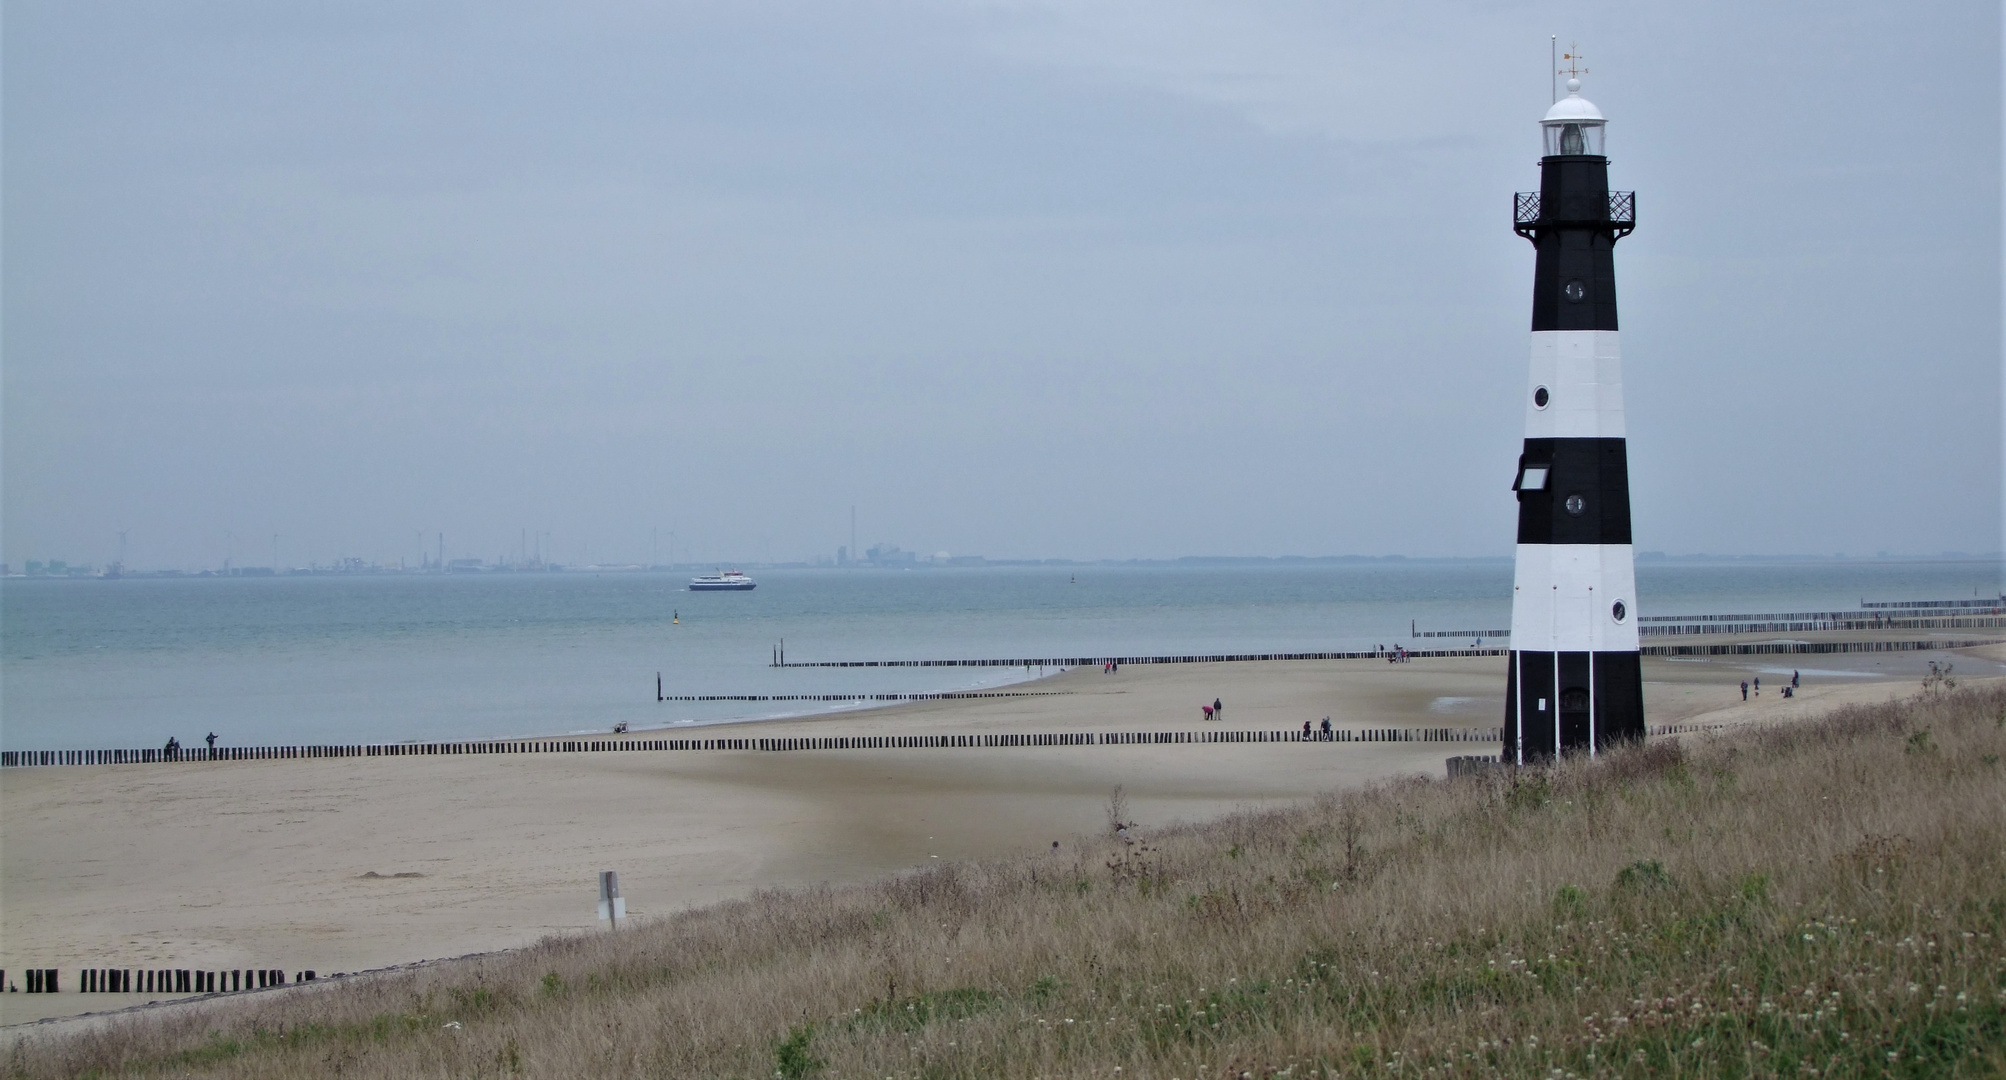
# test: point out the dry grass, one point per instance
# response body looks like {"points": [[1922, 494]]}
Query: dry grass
{"points": [[1823, 899]]}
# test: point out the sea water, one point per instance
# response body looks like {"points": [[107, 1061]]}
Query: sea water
{"points": [[97, 664]]}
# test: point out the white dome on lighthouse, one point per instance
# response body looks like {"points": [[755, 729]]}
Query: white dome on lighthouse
{"points": [[1573, 107], [1574, 125]]}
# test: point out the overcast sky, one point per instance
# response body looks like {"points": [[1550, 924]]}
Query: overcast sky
{"points": [[1017, 279]]}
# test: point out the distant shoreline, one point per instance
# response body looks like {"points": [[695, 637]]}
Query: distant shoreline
{"points": [[972, 562]]}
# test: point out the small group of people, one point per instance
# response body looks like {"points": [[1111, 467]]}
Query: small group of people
{"points": [[1395, 655], [1109, 667], [1214, 711], [1788, 691], [1310, 734], [174, 743]]}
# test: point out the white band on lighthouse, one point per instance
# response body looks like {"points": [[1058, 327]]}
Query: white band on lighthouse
{"points": [[1581, 372], [1564, 598]]}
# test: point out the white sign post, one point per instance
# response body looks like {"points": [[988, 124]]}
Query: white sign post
{"points": [[612, 907]]}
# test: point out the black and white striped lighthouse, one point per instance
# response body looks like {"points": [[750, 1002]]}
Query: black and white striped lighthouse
{"points": [[1575, 682]]}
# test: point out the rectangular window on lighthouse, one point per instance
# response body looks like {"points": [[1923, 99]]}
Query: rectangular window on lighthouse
{"points": [[1533, 479]]}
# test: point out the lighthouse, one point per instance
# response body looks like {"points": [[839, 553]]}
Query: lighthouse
{"points": [[1575, 682]]}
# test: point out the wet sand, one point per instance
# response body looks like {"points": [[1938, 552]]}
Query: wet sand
{"points": [[269, 864]]}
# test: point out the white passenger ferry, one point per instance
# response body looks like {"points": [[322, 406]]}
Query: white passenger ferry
{"points": [[728, 581]]}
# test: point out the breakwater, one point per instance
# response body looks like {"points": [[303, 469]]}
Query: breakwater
{"points": [[100, 980], [1787, 625], [44, 758], [1739, 649], [1096, 661], [1876, 617], [1997, 603], [17, 759], [1790, 622], [1905, 615], [1813, 648]]}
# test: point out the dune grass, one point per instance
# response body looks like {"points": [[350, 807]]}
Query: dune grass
{"points": [[1827, 898]]}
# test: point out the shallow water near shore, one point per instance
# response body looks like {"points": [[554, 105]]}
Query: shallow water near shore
{"points": [[99, 664]]}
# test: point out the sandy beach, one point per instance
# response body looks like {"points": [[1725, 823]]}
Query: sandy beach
{"points": [[295, 864]]}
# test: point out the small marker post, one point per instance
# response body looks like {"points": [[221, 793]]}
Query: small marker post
{"points": [[612, 907]]}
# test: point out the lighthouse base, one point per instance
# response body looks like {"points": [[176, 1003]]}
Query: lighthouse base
{"points": [[1570, 702]]}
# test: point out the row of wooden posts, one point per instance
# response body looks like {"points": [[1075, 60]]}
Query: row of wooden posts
{"points": [[1855, 622], [1034, 662], [1128, 738], [31, 758], [159, 980], [1765, 648]]}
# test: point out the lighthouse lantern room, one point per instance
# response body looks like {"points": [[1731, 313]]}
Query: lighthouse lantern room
{"points": [[1575, 681], [1573, 127]]}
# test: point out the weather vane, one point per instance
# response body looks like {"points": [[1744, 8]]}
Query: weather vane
{"points": [[1573, 56]]}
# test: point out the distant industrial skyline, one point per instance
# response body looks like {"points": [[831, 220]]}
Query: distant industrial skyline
{"points": [[892, 558]]}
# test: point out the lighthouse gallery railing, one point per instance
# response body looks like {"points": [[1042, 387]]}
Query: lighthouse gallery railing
{"points": [[1620, 212]]}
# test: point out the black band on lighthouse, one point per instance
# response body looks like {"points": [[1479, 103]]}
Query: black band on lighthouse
{"points": [[1575, 230], [1617, 700], [1584, 494]]}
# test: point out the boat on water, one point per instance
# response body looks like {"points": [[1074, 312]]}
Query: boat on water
{"points": [[728, 581]]}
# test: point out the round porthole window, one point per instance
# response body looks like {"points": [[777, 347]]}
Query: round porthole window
{"points": [[1576, 504], [1617, 611], [1540, 397], [1575, 291]]}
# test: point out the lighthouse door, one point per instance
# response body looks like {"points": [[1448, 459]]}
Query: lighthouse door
{"points": [[1573, 701], [1574, 718]]}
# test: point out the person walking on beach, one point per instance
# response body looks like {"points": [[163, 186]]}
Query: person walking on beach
{"points": [[211, 740], [1744, 689], [1306, 734], [1793, 678], [1758, 686], [1219, 708], [1326, 729]]}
